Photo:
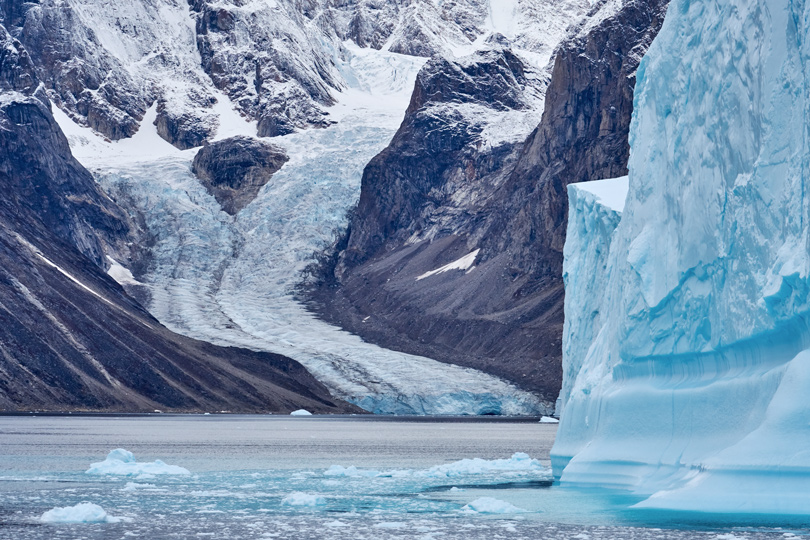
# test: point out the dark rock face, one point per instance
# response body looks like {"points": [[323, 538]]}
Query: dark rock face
{"points": [[434, 153], [434, 196], [234, 170], [264, 74], [85, 79], [70, 337], [184, 128], [583, 136]]}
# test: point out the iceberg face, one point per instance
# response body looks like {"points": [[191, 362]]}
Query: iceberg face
{"points": [[687, 382], [81, 513], [122, 463]]}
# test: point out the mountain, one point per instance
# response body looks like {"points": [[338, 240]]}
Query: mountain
{"points": [[456, 185], [686, 378], [71, 338]]}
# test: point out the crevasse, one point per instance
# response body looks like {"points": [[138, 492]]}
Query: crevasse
{"points": [[686, 377]]}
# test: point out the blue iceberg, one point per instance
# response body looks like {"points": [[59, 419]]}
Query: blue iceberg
{"points": [[687, 335]]}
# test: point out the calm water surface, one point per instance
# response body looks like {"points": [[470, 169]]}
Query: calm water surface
{"points": [[245, 468]]}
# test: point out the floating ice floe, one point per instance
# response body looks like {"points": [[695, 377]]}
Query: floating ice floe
{"points": [[121, 462], [519, 462], [549, 420], [303, 499], [301, 412], [488, 505], [81, 513]]}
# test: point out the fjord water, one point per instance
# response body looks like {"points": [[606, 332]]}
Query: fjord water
{"points": [[315, 477]]}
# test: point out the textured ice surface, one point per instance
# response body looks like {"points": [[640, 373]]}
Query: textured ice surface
{"points": [[81, 513], [231, 280], [686, 341], [121, 462], [520, 461], [489, 505], [303, 499]]}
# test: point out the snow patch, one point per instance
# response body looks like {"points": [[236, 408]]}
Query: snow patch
{"points": [[464, 263], [121, 274]]}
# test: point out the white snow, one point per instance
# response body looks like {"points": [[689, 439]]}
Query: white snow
{"points": [[489, 505], [81, 513], [549, 420], [301, 412], [611, 192], [303, 499], [121, 462], [504, 16], [120, 273], [464, 263]]}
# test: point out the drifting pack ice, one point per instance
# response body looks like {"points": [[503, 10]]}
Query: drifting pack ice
{"points": [[687, 383]]}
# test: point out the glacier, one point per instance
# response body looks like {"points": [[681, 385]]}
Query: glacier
{"points": [[232, 281], [686, 343]]}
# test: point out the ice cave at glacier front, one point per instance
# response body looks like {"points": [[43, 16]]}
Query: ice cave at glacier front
{"points": [[687, 383]]}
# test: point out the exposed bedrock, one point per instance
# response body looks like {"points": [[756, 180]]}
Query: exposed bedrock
{"points": [[440, 192], [234, 170]]}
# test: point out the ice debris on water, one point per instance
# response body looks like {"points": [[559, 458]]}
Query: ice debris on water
{"points": [[519, 461], [303, 499], [81, 513], [549, 420], [489, 505], [122, 462], [301, 412]]}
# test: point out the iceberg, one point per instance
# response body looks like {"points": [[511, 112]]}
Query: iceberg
{"points": [[122, 463], [301, 412], [81, 513], [686, 350]]}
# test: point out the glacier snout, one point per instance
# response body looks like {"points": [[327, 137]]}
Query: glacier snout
{"points": [[685, 378]]}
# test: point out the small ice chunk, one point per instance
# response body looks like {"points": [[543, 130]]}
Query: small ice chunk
{"points": [[132, 486], [350, 472], [81, 513], [488, 505], [518, 462], [303, 499], [122, 462], [301, 412], [549, 420]]}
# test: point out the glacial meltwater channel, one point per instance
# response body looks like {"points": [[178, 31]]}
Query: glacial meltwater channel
{"points": [[257, 477]]}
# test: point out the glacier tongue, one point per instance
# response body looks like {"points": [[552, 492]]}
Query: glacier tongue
{"points": [[687, 383], [231, 280]]}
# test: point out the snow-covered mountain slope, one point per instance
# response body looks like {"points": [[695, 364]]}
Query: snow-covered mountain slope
{"points": [[231, 280], [278, 61], [691, 388]]}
